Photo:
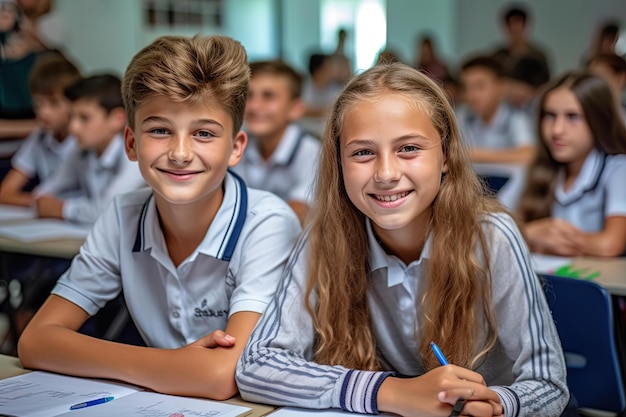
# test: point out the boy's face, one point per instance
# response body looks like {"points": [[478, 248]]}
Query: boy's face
{"points": [[93, 126], [270, 107], [53, 113], [482, 90], [184, 149], [8, 16]]}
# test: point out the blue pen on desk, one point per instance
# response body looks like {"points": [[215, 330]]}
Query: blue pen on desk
{"points": [[439, 354], [92, 402]]}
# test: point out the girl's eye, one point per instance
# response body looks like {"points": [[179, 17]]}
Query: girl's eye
{"points": [[362, 152], [548, 116], [409, 148], [573, 117]]}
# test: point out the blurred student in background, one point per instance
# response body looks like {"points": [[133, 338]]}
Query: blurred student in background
{"points": [[524, 81], [280, 157], [427, 59], [42, 152], [575, 200], [98, 169], [496, 132], [612, 68]]}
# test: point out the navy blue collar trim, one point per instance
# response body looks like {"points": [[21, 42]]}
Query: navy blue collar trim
{"points": [[141, 238], [239, 218]]}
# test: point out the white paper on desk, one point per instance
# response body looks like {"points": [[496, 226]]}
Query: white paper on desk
{"points": [[43, 230], [547, 264], [43, 394], [8, 212], [301, 412], [150, 404]]}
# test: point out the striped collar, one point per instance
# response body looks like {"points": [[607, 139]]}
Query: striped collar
{"points": [[587, 180], [223, 234]]}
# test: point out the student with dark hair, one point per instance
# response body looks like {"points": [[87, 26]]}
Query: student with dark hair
{"points": [[98, 169], [612, 68], [575, 200], [515, 21], [524, 80], [495, 131]]}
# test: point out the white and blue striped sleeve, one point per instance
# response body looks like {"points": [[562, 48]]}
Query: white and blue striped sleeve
{"points": [[276, 366], [526, 330]]}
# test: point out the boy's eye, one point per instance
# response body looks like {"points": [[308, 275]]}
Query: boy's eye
{"points": [[204, 134], [158, 131]]}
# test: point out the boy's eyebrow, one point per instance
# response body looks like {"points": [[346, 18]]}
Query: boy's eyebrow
{"points": [[198, 122]]}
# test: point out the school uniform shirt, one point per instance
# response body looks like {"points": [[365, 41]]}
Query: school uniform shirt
{"points": [[291, 170], [235, 268], [508, 129], [525, 368], [94, 180], [41, 154], [597, 193]]}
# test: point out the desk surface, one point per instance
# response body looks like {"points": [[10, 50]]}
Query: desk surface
{"points": [[11, 366], [65, 249], [612, 270]]}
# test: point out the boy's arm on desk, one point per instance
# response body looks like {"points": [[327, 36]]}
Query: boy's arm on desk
{"points": [[11, 189], [51, 342]]}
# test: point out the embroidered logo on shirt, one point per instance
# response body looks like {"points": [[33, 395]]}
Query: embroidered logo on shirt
{"points": [[203, 311]]}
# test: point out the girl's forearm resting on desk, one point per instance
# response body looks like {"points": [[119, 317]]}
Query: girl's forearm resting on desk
{"points": [[51, 342]]}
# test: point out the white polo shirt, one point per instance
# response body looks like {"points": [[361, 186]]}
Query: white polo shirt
{"points": [[291, 170], [509, 129], [94, 181], [41, 154], [598, 192], [235, 268]]}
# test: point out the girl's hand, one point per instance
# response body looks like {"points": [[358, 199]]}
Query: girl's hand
{"points": [[554, 236], [213, 340], [420, 396]]}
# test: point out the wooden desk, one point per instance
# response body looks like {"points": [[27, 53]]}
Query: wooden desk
{"points": [[11, 366], [612, 270], [64, 249]]}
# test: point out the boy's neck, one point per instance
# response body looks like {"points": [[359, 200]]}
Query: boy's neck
{"points": [[267, 144], [184, 226], [490, 114], [101, 148], [60, 136]]}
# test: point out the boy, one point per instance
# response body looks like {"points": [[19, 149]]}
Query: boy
{"points": [[496, 133], [98, 169], [42, 152], [281, 157], [195, 254], [612, 68]]}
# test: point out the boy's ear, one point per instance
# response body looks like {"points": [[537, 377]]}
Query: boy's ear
{"points": [[130, 143], [239, 146], [297, 109]]}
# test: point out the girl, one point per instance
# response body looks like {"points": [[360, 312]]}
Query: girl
{"points": [[404, 249], [575, 199]]}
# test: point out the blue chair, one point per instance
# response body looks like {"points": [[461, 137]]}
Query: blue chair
{"points": [[583, 313]]}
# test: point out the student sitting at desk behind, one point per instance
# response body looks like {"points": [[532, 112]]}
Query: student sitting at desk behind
{"points": [[97, 170], [496, 132], [198, 255], [281, 157], [405, 249], [575, 198], [41, 153]]}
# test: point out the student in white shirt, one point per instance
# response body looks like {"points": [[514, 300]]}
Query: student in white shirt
{"points": [[575, 199], [97, 170], [41, 153], [198, 255], [404, 249], [281, 157], [496, 133]]}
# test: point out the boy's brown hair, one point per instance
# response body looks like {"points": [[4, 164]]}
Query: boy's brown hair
{"points": [[51, 74], [279, 69], [203, 69]]}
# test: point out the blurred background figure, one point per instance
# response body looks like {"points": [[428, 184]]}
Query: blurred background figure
{"points": [[339, 60], [612, 68], [41, 23], [515, 22], [388, 56], [427, 59], [604, 41], [524, 81]]}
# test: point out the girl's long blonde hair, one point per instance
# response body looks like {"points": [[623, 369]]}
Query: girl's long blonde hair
{"points": [[457, 308], [606, 126]]}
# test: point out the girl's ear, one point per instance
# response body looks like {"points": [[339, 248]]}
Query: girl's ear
{"points": [[130, 143], [239, 146], [444, 168]]}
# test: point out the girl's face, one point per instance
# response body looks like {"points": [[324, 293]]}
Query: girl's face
{"points": [[564, 128], [392, 162]]}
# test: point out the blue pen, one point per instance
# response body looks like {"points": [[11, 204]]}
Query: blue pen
{"points": [[439, 354], [90, 403]]}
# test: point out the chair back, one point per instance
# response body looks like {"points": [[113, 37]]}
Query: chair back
{"points": [[583, 313]]}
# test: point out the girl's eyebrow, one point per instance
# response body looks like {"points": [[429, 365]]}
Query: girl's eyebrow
{"points": [[369, 142]]}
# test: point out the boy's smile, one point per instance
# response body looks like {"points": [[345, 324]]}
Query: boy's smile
{"points": [[184, 149]]}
